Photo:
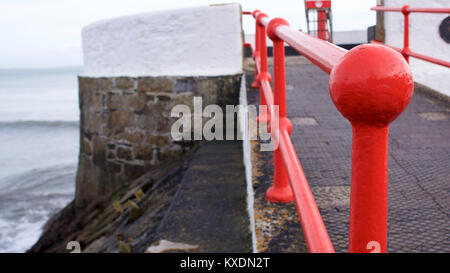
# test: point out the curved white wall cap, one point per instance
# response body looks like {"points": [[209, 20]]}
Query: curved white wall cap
{"points": [[199, 41]]}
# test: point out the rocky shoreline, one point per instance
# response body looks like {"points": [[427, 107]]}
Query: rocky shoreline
{"points": [[126, 221]]}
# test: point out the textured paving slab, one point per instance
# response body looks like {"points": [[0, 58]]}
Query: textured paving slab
{"points": [[210, 207], [419, 170]]}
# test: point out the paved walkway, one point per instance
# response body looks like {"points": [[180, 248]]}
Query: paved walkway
{"points": [[209, 209], [419, 170]]}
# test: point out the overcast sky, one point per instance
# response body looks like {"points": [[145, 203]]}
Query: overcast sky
{"points": [[47, 33]]}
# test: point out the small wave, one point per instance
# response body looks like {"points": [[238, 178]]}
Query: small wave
{"points": [[42, 181], [39, 123], [28, 200], [21, 221]]}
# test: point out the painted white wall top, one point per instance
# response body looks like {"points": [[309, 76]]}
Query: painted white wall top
{"points": [[424, 39], [199, 41]]}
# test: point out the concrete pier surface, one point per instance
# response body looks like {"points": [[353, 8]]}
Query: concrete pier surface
{"points": [[419, 169], [210, 209]]}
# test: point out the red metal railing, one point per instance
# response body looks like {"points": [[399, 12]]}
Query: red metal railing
{"points": [[406, 51], [368, 94]]}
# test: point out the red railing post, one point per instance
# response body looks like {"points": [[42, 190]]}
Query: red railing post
{"points": [[321, 25], [255, 83], [280, 191], [263, 74], [405, 49], [370, 86]]}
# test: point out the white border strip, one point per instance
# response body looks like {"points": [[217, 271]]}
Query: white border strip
{"points": [[243, 127]]}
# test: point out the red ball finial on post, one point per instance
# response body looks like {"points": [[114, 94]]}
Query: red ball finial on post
{"points": [[255, 12], [272, 26], [259, 16], [371, 86]]}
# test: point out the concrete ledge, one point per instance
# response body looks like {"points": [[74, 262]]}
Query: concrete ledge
{"points": [[430, 93], [209, 210]]}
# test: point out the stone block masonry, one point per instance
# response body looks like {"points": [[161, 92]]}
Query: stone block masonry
{"points": [[125, 126], [136, 68]]}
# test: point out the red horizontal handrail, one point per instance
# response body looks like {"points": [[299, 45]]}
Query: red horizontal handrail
{"points": [[316, 236], [406, 51], [416, 55], [321, 53], [409, 9], [367, 93], [268, 95], [315, 232], [427, 58], [258, 64]]}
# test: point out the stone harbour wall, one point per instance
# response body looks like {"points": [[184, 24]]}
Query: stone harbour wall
{"points": [[125, 126]]}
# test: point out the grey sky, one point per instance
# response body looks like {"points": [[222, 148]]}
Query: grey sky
{"points": [[47, 33]]}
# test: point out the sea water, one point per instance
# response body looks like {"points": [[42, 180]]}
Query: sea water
{"points": [[39, 141]]}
